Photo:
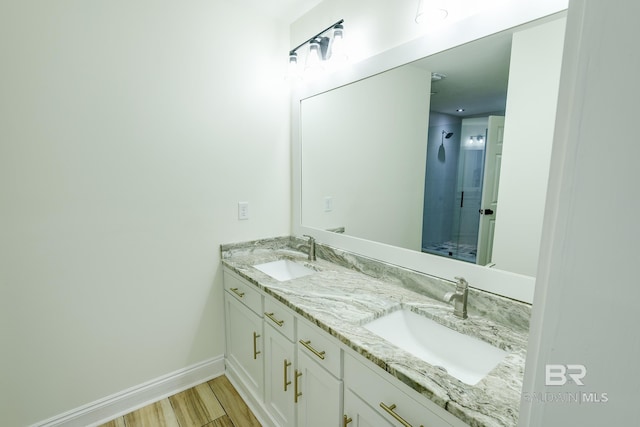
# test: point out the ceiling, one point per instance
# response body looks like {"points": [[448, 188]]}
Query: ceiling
{"points": [[285, 10], [477, 75]]}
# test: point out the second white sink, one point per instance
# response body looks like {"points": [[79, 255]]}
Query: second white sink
{"points": [[284, 269], [465, 358]]}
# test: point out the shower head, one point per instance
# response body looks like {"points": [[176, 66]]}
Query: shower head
{"points": [[446, 134]]}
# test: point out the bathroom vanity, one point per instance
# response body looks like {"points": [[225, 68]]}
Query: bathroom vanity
{"points": [[306, 343]]}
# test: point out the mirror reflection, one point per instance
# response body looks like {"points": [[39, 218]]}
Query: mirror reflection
{"points": [[417, 157]]}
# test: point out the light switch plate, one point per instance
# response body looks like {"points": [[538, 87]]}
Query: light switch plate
{"points": [[243, 210], [328, 204]]}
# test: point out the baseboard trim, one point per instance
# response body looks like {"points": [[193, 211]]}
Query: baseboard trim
{"points": [[110, 407], [255, 404]]}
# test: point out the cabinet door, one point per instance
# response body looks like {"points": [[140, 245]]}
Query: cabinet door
{"points": [[358, 414], [279, 370], [245, 345], [319, 394]]}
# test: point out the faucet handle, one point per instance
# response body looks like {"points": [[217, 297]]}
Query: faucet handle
{"points": [[311, 238], [462, 282]]}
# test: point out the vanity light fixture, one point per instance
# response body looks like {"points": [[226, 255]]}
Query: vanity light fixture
{"points": [[478, 138], [327, 45]]}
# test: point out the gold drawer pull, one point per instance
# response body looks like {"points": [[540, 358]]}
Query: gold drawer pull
{"points": [[272, 317], [237, 292], [296, 393], [286, 381], [307, 344], [390, 410], [256, 352], [346, 421]]}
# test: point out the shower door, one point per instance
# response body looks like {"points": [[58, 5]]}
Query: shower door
{"points": [[466, 214], [461, 182]]}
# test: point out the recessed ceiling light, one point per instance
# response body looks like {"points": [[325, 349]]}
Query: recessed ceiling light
{"points": [[437, 76], [460, 110]]}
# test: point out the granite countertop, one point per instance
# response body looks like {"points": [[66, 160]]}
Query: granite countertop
{"points": [[340, 300]]}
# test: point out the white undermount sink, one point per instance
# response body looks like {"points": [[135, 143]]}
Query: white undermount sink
{"points": [[465, 358], [284, 269]]}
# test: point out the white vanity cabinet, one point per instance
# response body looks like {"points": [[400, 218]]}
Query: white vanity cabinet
{"points": [[300, 376], [292, 369], [244, 332]]}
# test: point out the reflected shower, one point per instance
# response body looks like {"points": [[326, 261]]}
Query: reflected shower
{"points": [[441, 153]]}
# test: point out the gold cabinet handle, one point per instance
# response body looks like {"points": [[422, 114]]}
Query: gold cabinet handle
{"points": [[256, 352], [296, 393], [237, 292], [272, 317], [390, 410], [346, 421], [307, 344], [286, 381]]}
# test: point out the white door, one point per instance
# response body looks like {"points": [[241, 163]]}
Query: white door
{"points": [[279, 362], [491, 180], [319, 394], [245, 345]]}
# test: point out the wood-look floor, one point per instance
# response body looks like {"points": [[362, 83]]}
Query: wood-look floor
{"points": [[215, 403]]}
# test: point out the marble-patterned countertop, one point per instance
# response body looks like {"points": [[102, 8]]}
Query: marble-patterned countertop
{"points": [[340, 300]]}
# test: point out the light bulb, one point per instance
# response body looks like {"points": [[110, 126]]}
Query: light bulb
{"points": [[313, 58], [337, 51], [294, 68], [313, 66]]}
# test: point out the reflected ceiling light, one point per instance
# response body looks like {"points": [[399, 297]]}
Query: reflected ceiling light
{"points": [[327, 44], [437, 77]]}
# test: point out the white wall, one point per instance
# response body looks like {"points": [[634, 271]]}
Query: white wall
{"points": [[128, 133], [375, 125], [534, 76], [586, 301]]}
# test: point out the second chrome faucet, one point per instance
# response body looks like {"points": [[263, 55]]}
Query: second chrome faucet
{"points": [[459, 298], [312, 247]]}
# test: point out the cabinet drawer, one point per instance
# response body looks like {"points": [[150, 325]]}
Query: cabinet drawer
{"points": [[279, 317], [319, 346], [243, 292], [392, 403]]}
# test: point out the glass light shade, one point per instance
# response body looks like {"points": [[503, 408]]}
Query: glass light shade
{"points": [[294, 69], [337, 49], [314, 61]]}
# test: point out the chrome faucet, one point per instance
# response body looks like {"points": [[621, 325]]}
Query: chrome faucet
{"points": [[459, 298], [312, 247]]}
